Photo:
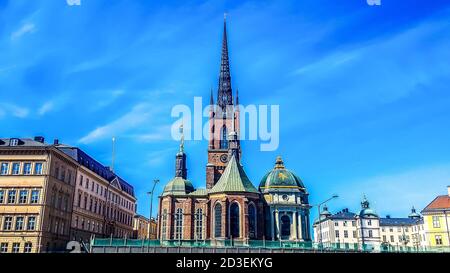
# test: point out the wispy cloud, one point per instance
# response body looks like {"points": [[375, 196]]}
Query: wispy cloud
{"points": [[26, 28], [138, 115], [13, 110], [46, 107], [111, 97]]}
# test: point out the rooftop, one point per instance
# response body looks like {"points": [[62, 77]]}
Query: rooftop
{"points": [[441, 202]]}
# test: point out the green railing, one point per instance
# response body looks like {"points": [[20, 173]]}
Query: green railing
{"points": [[307, 246]]}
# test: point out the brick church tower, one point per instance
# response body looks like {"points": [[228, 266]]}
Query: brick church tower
{"points": [[224, 126]]}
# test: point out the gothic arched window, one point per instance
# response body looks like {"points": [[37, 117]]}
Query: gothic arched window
{"points": [[224, 138], [199, 224], [218, 220], [234, 221], [252, 221], [164, 225], [179, 224]]}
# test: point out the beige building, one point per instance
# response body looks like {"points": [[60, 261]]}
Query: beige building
{"points": [[37, 183], [143, 228], [51, 194], [437, 222], [104, 204]]}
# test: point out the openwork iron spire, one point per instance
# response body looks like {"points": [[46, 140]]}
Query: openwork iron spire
{"points": [[225, 94]]}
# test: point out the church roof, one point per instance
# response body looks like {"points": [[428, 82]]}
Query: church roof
{"points": [[199, 192], [178, 186], [280, 177], [234, 179]]}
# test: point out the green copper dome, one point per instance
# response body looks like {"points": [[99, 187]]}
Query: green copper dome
{"points": [[366, 210], [280, 177], [178, 186]]}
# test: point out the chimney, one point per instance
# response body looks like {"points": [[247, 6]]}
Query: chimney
{"points": [[388, 216], [56, 141], [39, 139]]}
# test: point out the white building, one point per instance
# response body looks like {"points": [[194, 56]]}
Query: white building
{"points": [[367, 231]]}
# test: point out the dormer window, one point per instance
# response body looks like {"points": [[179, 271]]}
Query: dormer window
{"points": [[14, 142]]}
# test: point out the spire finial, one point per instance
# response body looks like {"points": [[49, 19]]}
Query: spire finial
{"points": [[182, 138], [279, 164], [225, 93]]}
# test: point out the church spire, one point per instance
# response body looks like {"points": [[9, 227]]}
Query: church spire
{"points": [[180, 163], [225, 94]]}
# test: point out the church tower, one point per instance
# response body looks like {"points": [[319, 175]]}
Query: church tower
{"points": [[223, 121]]}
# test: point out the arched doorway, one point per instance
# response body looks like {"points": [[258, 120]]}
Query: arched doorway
{"points": [[285, 227], [234, 221]]}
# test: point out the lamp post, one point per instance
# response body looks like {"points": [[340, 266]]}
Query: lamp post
{"points": [[318, 219], [156, 181]]}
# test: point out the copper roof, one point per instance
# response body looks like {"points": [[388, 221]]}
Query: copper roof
{"points": [[441, 202]]}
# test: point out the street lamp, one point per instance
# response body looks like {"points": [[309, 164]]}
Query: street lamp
{"points": [[156, 181], [318, 219]]}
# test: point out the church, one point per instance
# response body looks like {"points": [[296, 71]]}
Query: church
{"points": [[231, 207]]}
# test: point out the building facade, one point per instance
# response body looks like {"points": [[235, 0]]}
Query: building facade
{"points": [[37, 183], [104, 203], [51, 194], [367, 231], [437, 221], [230, 207]]}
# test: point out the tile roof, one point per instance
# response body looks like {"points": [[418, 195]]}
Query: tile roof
{"points": [[343, 216], [398, 221], [234, 179], [441, 202], [22, 142]]}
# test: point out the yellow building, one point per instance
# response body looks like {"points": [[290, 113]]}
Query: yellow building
{"points": [[143, 228], [37, 183], [437, 221]]}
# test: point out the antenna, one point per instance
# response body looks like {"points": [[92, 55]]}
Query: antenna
{"points": [[113, 153]]}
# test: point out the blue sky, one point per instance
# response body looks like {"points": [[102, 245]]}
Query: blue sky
{"points": [[363, 90]]}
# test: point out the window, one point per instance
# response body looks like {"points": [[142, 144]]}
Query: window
{"points": [[19, 222], [31, 225], [34, 196], [392, 238], [252, 221], [354, 234], [345, 223], [345, 234], [14, 142], [234, 221], [81, 180], [28, 247], [369, 222], [391, 230], [354, 223], [7, 224], [3, 247], [384, 238], [436, 222], [11, 197], [38, 168], [164, 225], [27, 168], [15, 168], [224, 138], [370, 234], [2, 196], [23, 196], [179, 224], [199, 224], [336, 224], [438, 239], [4, 169], [337, 233], [87, 183], [16, 247], [218, 220]]}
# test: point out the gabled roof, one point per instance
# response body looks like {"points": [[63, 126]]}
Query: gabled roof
{"points": [[22, 142], [234, 179], [441, 202]]}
